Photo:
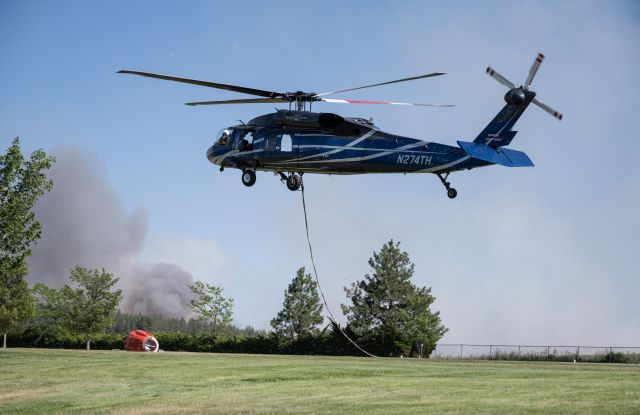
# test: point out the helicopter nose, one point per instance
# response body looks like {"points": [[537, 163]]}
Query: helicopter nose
{"points": [[210, 154]]}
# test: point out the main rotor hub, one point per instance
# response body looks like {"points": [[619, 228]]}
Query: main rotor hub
{"points": [[300, 96]]}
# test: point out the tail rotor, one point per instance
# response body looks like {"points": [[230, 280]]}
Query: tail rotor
{"points": [[517, 91]]}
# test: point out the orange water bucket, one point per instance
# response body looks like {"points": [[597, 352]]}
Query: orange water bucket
{"points": [[141, 341]]}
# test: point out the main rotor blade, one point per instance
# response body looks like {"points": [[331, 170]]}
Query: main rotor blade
{"points": [[239, 101], [550, 110], [534, 69], [495, 75], [428, 75], [241, 89], [355, 101]]}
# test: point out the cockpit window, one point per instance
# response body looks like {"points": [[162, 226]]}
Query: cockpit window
{"points": [[224, 137]]}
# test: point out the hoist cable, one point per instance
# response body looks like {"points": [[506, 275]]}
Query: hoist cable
{"points": [[315, 272]]}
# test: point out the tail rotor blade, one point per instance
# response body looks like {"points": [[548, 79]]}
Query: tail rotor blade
{"points": [[556, 114], [534, 69], [495, 75]]}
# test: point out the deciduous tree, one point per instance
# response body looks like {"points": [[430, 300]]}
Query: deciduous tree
{"points": [[50, 318], [211, 306], [22, 182], [91, 306], [16, 302]]}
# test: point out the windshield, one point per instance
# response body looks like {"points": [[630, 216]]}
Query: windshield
{"points": [[223, 137]]}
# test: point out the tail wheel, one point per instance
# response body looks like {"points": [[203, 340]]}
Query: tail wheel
{"points": [[248, 178], [293, 182], [451, 192]]}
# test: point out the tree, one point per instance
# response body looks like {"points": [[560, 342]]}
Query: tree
{"points": [[22, 182], [388, 311], [300, 314], [91, 307], [124, 322], [49, 320], [16, 302], [211, 306]]}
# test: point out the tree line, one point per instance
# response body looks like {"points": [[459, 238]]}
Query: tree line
{"points": [[387, 314]]}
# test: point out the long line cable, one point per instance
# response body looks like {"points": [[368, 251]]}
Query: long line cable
{"points": [[315, 272]]}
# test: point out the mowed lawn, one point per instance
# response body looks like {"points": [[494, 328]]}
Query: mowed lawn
{"points": [[36, 381]]}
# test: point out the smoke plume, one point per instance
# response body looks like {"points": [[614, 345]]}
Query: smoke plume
{"points": [[85, 223], [158, 289]]}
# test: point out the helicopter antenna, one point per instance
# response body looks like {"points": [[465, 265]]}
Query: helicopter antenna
{"points": [[242, 122]]}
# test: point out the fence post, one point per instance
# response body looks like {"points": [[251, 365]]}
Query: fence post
{"points": [[548, 353], [610, 354], [461, 346], [577, 353], [490, 347], [518, 351]]}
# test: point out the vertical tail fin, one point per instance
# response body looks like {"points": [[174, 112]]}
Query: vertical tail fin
{"points": [[498, 132]]}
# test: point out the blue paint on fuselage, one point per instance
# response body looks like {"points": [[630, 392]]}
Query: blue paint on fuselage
{"points": [[373, 151]]}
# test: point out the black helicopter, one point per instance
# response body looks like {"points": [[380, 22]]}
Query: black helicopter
{"points": [[295, 141]]}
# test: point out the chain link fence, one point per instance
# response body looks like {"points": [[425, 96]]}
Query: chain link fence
{"points": [[598, 354]]}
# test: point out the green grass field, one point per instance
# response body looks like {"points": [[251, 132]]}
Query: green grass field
{"points": [[34, 381]]}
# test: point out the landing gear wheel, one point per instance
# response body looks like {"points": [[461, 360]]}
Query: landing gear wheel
{"points": [[248, 178], [451, 192], [293, 182]]}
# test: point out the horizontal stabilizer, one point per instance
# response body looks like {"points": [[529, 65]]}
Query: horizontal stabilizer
{"points": [[500, 155]]}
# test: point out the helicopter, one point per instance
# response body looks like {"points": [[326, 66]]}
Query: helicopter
{"points": [[291, 142]]}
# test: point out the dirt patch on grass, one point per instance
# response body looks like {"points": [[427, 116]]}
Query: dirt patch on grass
{"points": [[7, 396]]}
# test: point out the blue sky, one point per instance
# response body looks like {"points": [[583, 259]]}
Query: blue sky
{"points": [[522, 255]]}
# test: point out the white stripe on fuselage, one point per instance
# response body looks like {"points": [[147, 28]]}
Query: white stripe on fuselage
{"points": [[337, 150], [444, 166], [319, 146], [221, 157], [371, 156]]}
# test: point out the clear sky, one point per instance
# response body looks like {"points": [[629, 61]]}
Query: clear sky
{"points": [[541, 255]]}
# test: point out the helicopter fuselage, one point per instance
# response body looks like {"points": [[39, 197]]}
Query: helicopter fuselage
{"points": [[330, 145]]}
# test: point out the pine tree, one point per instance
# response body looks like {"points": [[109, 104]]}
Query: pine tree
{"points": [[390, 313], [301, 309]]}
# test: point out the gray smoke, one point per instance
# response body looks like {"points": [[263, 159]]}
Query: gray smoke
{"points": [[158, 289], [85, 223]]}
